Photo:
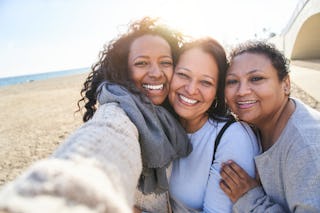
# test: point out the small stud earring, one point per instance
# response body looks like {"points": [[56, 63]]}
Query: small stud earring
{"points": [[286, 91]]}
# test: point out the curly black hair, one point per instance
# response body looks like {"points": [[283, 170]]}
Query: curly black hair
{"points": [[277, 59], [113, 60]]}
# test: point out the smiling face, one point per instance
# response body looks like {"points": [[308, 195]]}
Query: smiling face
{"points": [[253, 89], [151, 65], [193, 86]]}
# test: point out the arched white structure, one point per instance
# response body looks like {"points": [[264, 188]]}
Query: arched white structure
{"points": [[300, 40]]}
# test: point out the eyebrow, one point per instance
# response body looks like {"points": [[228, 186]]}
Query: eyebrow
{"points": [[183, 68], [186, 69], [253, 71], [250, 72], [146, 56]]}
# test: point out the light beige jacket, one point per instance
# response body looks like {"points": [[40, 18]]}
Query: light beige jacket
{"points": [[95, 170]]}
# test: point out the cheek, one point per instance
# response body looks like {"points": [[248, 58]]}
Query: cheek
{"points": [[210, 95], [168, 72], [136, 76], [228, 95], [171, 97], [132, 72], [172, 94], [174, 85]]}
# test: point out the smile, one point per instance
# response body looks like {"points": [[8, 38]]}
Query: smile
{"points": [[152, 87], [246, 104], [188, 100]]}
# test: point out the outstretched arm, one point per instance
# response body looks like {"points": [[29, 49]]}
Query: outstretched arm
{"points": [[95, 170]]}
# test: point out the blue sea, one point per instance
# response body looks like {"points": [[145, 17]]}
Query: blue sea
{"points": [[40, 76]]}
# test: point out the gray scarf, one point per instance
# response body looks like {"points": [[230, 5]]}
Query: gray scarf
{"points": [[161, 137]]}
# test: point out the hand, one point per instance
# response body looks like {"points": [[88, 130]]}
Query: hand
{"points": [[236, 181]]}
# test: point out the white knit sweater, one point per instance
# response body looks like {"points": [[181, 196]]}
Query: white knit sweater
{"points": [[95, 170]]}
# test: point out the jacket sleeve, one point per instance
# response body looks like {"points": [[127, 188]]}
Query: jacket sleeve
{"points": [[95, 170], [256, 200]]}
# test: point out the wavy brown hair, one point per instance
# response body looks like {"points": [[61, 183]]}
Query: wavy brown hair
{"points": [[113, 60], [218, 109]]}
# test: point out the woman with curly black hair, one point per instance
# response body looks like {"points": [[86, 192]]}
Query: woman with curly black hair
{"points": [[113, 61], [127, 140]]}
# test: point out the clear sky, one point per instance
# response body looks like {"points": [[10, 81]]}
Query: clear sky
{"points": [[51, 35]]}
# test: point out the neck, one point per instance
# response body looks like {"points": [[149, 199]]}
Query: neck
{"points": [[272, 129], [193, 125]]}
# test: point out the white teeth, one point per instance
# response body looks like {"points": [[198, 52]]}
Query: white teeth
{"points": [[189, 101], [153, 87], [246, 102]]}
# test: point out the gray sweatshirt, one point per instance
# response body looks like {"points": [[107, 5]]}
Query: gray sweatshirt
{"points": [[290, 169]]}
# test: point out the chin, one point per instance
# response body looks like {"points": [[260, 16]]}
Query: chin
{"points": [[157, 100], [246, 118]]}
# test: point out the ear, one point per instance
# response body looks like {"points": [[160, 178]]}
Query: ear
{"points": [[286, 85]]}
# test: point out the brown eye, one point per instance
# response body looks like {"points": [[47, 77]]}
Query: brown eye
{"points": [[231, 81], [166, 63], [257, 78], [140, 63], [182, 75], [206, 83]]}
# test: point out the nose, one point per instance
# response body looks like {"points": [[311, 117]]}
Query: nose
{"points": [[243, 89], [155, 71], [191, 87]]}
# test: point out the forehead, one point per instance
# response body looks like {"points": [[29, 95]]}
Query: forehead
{"points": [[198, 61], [246, 62], [149, 44]]}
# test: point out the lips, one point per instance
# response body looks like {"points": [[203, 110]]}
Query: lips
{"points": [[188, 100], [246, 104]]}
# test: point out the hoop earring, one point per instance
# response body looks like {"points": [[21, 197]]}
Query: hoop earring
{"points": [[216, 103]]}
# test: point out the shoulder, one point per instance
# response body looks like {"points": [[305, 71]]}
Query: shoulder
{"points": [[237, 130], [113, 116], [304, 115], [300, 139], [240, 137], [239, 144], [303, 126], [111, 111], [241, 130]]}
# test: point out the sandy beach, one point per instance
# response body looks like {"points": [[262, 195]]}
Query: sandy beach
{"points": [[37, 116]]}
